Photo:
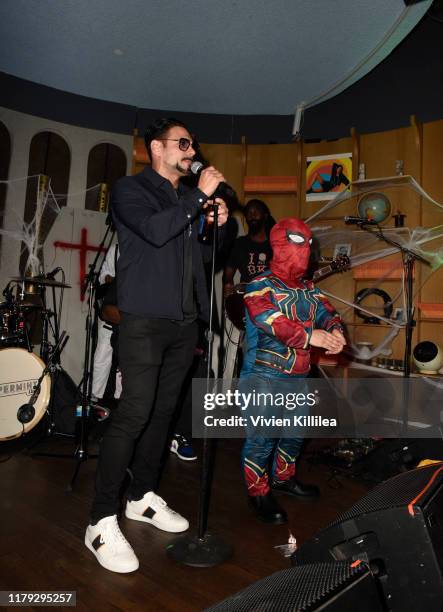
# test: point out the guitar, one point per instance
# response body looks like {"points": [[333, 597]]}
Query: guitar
{"points": [[234, 306], [339, 264]]}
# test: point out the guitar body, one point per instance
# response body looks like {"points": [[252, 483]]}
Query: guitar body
{"points": [[235, 308]]}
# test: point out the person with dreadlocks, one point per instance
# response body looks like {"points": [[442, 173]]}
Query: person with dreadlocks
{"points": [[250, 254], [288, 315]]}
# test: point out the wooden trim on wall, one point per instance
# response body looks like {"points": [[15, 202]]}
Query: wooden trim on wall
{"points": [[270, 184]]}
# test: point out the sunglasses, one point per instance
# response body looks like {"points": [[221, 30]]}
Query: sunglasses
{"points": [[183, 143]]}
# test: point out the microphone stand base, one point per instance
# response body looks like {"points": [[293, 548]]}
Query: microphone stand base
{"points": [[208, 551]]}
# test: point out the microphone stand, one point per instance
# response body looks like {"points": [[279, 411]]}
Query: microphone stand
{"points": [[204, 549], [81, 437], [81, 452], [49, 368], [409, 258]]}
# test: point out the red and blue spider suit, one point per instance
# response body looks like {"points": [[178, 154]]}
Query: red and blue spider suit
{"points": [[285, 315]]}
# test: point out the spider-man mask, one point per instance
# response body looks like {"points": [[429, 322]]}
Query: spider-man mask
{"points": [[291, 245]]}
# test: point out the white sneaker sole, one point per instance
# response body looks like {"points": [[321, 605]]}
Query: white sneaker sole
{"points": [[107, 565], [175, 451], [144, 519]]}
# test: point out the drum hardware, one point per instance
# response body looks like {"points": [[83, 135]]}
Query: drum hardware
{"points": [[38, 280], [13, 324], [50, 319], [46, 348], [81, 453], [15, 321], [26, 412], [36, 375], [20, 372]]}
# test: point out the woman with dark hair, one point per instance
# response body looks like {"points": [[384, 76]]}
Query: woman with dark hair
{"points": [[337, 178]]}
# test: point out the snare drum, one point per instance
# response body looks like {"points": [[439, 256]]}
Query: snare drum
{"points": [[19, 373]]}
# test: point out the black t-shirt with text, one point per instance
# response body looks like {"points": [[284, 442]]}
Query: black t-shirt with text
{"points": [[249, 257]]}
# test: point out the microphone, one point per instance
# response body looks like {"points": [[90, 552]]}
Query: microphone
{"points": [[223, 189], [25, 413], [51, 275], [349, 220], [196, 167]]}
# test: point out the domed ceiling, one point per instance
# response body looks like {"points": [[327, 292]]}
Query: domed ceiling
{"points": [[204, 56]]}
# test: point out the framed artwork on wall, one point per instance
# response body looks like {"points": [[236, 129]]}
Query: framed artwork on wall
{"points": [[327, 175]]}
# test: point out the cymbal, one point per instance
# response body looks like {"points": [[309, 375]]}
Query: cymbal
{"points": [[28, 305], [17, 303], [39, 280]]}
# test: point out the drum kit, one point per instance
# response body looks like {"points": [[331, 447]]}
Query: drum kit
{"points": [[25, 377]]}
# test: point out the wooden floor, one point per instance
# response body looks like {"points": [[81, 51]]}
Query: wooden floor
{"points": [[42, 529]]}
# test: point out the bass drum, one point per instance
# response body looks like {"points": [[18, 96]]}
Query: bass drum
{"points": [[19, 373]]}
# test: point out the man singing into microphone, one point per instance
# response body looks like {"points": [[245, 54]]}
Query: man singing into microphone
{"points": [[161, 290]]}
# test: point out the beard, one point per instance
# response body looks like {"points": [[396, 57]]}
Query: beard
{"points": [[255, 226], [186, 171]]}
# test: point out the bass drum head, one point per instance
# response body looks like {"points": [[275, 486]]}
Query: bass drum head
{"points": [[19, 372]]}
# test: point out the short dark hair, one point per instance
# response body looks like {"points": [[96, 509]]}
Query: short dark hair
{"points": [[159, 128]]}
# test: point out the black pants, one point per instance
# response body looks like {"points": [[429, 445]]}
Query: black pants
{"points": [[183, 423], [154, 355]]}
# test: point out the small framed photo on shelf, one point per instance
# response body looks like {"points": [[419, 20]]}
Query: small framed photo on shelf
{"points": [[342, 250], [398, 314]]}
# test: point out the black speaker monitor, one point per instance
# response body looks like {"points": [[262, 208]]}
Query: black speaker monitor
{"points": [[329, 587], [397, 529]]}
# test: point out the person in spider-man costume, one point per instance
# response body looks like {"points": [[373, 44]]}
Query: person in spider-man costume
{"points": [[285, 316]]}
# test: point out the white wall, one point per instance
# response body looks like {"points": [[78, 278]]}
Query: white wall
{"points": [[22, 129]]}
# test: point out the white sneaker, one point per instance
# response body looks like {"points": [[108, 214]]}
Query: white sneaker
{"points": [[153, 509], [109, 545]]}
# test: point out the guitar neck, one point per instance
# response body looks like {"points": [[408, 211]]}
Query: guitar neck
{"points": [[322, 272], [337, 265]]}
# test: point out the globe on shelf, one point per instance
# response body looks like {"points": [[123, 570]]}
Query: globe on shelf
{"points": [[374, 206]]}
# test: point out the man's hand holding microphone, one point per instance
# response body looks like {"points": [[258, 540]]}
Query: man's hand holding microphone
{"points": [[209, 180]]}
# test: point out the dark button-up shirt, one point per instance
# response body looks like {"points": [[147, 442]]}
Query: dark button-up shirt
{"points": [[151, 220]]}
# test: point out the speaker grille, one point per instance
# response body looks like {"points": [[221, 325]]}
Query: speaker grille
{"points": [[400, 490], [425, 351], [298, 589]]}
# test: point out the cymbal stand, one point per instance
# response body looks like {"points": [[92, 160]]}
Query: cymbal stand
{"points": [[46, 347]]}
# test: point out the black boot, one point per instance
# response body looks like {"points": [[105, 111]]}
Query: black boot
{"points": [[268, 509], [296, 488]]}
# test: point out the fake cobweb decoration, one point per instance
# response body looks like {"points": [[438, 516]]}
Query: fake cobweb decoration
{"points": [[329, 230], [45, 205]]}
